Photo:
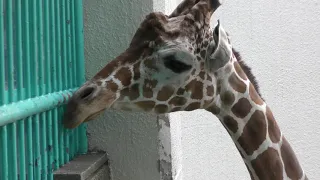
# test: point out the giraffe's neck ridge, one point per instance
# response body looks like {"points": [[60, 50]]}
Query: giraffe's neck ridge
{"points": [[253, 128]]}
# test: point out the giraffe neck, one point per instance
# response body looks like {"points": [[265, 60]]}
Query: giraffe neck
{"points": [[253, 128]]}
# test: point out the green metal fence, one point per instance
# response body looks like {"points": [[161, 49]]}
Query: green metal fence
{"points": [[41, 64]]}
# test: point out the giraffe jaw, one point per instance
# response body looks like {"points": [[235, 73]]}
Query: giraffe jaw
{"points": [[94, 116], [75, 123]]}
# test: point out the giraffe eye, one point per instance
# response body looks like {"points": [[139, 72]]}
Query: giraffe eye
{"points": [[176, 66]]}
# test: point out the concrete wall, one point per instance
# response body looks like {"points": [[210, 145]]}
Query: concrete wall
{"points": [[280, 40]]}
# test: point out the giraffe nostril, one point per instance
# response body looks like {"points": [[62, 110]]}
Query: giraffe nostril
{"points": [[87, 92]]}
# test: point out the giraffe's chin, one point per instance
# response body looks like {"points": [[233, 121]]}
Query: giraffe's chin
{"points": [[94, 116]]}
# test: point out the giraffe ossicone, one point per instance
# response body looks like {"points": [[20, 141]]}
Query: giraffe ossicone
{"points": [[177, 63]]}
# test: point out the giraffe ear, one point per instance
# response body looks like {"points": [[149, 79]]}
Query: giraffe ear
{"points": [[219, 51]]}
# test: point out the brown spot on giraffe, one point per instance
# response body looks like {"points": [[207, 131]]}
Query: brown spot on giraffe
{"points": [[132, 92], [214, 109], [254, 133], [227, 97], [203, 54], [124, 75], [198, 51], [268, 168], [146, 105], [165, 93], [180, 91], [161, 108], [230, 123], [290, 161], [242, 108], [193, 106], [239, 71], [178, 101], [254, 95], [237, 84], [209, 77], [196, 89], [219, 84], [148, 86], [274, 131], [210, 90], [112, 85], [202, 75], [193, 72]]}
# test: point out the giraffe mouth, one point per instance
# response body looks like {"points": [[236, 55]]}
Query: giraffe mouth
{"points": [[71, 123], [94, 116]]}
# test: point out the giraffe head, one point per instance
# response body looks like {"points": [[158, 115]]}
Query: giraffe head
{"points": [[166, 67]]}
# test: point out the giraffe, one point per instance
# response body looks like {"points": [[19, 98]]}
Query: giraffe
{"points": [[177, 63]]}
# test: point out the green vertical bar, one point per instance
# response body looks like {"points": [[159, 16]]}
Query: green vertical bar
{"points": [[41, 118], [37, 157], [10, 61], [63, 4], [33, 49], [40, 47], [74, 70], [13, 151], [73, 44], [59, 65], [27, 66], [46, 37], [22, 154], [21, 132], [19, 49], [4, 162], [2, 64], [80, 58], [29, 148], [44, 151], [35, 87], [50, 145], [11, 81], [47, 125], [26, 48], [61, 139], [54, 80], [58, 44], [48, 59], [55, 138], [69, 52], [63, 44], [53, 46], [80, 43]]}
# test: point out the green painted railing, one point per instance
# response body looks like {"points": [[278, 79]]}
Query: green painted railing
{"points": [[41, 65]]}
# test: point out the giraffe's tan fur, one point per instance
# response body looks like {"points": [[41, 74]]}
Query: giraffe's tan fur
{"points": [[143, 78]]}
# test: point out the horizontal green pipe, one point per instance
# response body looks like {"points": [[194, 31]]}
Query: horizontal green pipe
{"points": [[22, 109]]}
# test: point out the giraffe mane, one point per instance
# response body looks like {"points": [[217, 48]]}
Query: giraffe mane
{"points": [[247, 70]]}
